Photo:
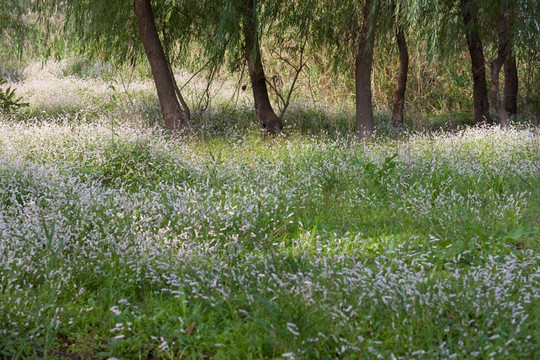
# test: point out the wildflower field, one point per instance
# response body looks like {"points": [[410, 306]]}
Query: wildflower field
{"points": [[117, 241]]}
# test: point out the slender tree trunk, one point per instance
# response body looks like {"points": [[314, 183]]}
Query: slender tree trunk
{"points": [[175, 116], [365, 124], [496, 66], [510, 84], [263, 109], [480, 93], [401, 85]]}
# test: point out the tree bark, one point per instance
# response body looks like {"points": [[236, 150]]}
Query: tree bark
{"points": [[176, 116], [266, 116], [401, 84], [496, 66], [510, 84], [365, 124], [480, 93]]}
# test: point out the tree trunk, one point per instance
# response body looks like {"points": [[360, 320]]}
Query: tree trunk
{"points": [[176, 117], [268, 119], [480, 93], [510, 84], [401, 85], [365, 124], [496, 66]]}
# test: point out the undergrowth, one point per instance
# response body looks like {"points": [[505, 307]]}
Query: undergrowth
{"points": [[117, 241]]}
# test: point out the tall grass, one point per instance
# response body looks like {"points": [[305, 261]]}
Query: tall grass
{"points": [[119, 242]]}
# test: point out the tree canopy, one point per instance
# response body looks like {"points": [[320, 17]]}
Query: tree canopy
{"points": [[237, 33]]}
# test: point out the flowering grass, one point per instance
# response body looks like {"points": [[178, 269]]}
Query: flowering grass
{"points": [[118, 242]]}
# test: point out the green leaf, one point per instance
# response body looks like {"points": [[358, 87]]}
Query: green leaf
{"points": [[517, 234]]}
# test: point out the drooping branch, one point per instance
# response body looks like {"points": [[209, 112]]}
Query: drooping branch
{"points": [[238, 86], [206, 93], [285, 100], [195, 74]]}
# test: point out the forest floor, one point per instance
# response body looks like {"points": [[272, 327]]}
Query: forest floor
{"points": [[117, 241]]}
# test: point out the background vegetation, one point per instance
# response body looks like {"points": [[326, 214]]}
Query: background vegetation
{"points": [[120, 240], [439, 81]]}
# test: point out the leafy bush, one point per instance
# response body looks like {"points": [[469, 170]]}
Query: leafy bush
{"points": [[8, 100], [132, 166]]}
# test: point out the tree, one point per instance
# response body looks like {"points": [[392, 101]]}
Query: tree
{"points": [[503, 52], [365, 124], [120, 31], [346, 30], [515, 25], [175, 110], [476, 51], [511, 84], [484, 24], [401, 83], [268, 119], [239, 30]]}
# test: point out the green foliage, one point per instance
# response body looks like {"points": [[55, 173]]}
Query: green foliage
{"points": [[105, 30], [132, 166], [373, 171], [240, 245], [203, 35], [11, 24], [121, 242], [85, 68], [8, 100]]}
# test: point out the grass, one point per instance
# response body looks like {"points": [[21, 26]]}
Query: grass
{"points": [[118, 242]]}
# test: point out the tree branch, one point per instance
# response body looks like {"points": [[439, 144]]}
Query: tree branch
{"points": [[285, 102]]}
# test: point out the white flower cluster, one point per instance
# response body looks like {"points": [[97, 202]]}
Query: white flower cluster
{"points": [[234, 232]]}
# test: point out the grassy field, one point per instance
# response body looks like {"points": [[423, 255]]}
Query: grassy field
{"points": [[119, 242]]}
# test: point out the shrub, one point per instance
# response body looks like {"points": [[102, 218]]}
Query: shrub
{"points": [[8, 100]]}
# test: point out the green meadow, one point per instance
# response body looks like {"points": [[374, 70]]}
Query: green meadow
{"points": [[118, 241]]}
